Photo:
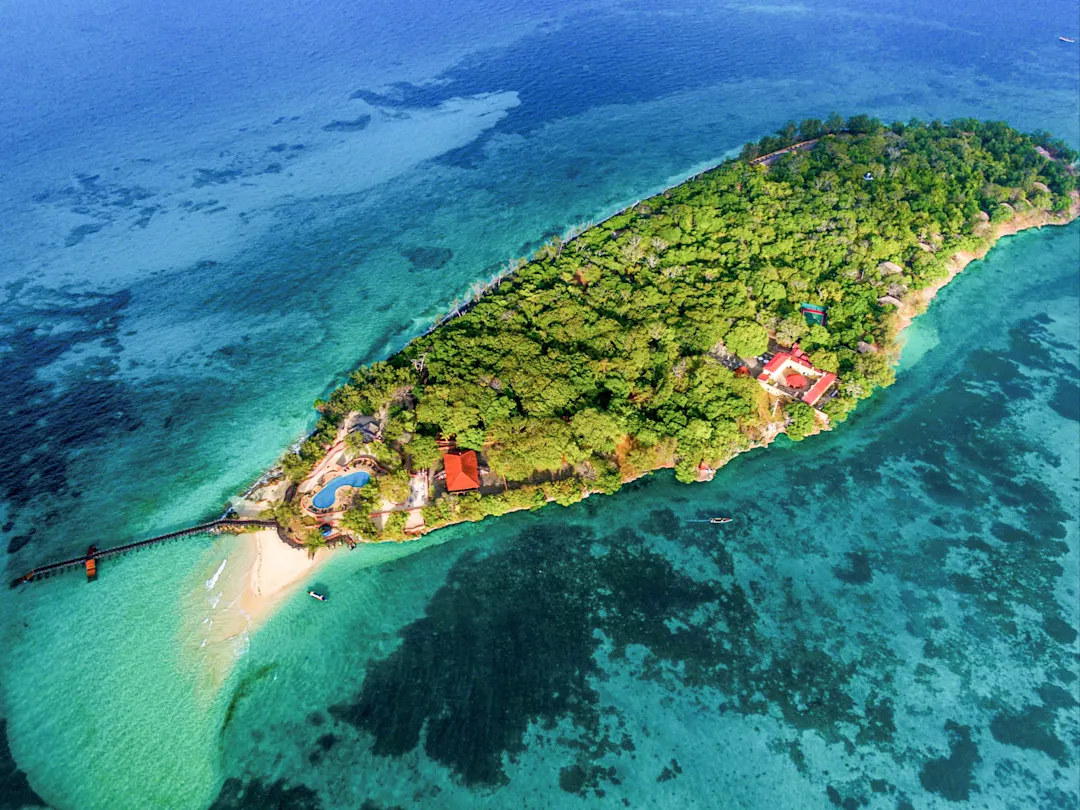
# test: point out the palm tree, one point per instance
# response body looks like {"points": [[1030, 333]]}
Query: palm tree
{"points": [[313, 541]]}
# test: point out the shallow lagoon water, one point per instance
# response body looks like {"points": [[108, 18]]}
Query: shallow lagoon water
{"points": [[183, 278]]}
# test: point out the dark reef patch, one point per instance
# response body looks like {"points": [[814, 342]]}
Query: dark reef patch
{"points": [[837, 799], [671, 771], [215, 177], [80, 232], [511, 640], [15, 790], [544, 68], [247, 683], [969, 431], [355, 125], [879, 725], [428, 258], [1031, 727], [1010, 534], [1059, 630], [46, 418], [1054, 697], [857, 572], [952, 776], [469, 156], [403, 95], [20, 540], [1066, 400], [89, 196], [257, 795]]}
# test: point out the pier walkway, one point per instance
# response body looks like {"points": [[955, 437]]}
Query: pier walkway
{"points": [[67, 565]]}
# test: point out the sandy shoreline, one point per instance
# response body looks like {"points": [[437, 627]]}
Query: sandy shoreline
{"points": [[256, 576], [916, 303], [276, 569]]}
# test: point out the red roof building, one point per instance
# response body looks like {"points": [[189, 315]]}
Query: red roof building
{"points": [[462, 472], [774, 365], [812, 396], [795, 380], [796, 371]]}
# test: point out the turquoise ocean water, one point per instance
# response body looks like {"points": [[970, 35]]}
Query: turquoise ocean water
{"points": [[210, 214]]}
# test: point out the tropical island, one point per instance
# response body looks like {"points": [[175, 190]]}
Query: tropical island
{"points": [[760, 297]]}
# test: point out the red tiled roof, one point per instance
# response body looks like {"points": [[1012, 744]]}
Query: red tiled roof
{"points": [[795, 380], [461, 471], [797, 357], [777, 361], [820, 387]]}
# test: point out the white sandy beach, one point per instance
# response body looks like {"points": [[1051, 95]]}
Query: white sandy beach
{"points": [[257, 575], [277, 567]]}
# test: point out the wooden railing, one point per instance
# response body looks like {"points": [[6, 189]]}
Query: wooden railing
{"points": [[45, 571]]}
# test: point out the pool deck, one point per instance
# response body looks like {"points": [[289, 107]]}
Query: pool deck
{"points": [[324, 474]]}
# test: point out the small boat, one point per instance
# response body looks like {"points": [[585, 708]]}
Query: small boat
{"points": [[91, 564], [317, 595], [1070, 40], [720, 520]]}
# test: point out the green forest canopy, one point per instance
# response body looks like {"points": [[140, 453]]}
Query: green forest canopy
{"points": [[595, 353]]}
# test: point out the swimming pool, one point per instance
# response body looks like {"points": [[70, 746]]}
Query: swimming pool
{"points": [[325, 497]]}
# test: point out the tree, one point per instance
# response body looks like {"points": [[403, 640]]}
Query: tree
{"points": [[424, 452], [747, 339], [811, 128], [801, 420], [471, 438], [816, 335], [296, 467], [863, 125], [791, 329], [394, 487], [388, 457], [872, 371], [355, 441], [774, 291], [394, 528], [281, 512], [834, 123], [596, 430], [356, 520], [313, 541], [825, 360], [401, 421], [524, 446]]}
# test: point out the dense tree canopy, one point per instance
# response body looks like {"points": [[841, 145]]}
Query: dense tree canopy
{"points": [[600, 354]]}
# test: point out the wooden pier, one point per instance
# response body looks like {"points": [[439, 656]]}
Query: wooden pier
{"points": [[89, 560]]}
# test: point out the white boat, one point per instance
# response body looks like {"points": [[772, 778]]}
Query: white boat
{"points": [[316, 595], [1070, 40], [720, 520]]}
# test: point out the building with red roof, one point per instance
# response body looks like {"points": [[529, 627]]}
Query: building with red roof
{"points": [[795, 380], [792, 374], [818, 389], [462, 471]]}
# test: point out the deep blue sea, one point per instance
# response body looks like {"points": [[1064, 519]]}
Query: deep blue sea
{"points": [[210, 212]]}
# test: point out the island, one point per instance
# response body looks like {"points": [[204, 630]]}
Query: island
{"points": [[760, 297]]}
